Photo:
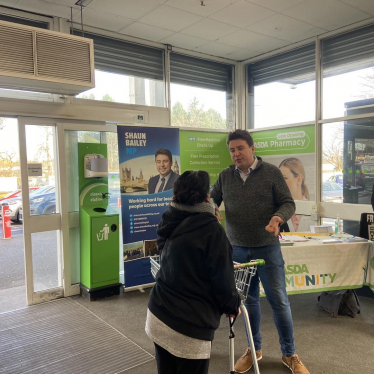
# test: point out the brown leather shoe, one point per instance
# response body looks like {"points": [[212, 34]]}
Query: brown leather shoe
{"points": [[245, 362], [294, 364]]}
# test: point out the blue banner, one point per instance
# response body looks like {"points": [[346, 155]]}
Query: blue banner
{"points": [[141, 178], [141, 215]]}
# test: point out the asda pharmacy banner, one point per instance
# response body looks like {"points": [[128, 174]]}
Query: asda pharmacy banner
{"points": [[144, 196], [293, 151], [204, 151], [285, 141]]}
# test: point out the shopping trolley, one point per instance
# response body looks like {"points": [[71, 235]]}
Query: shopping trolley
{"points": [[243, 274], [155, 265]]}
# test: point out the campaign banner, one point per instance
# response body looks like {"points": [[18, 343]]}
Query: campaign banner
{"points": [[144, 196], [204, 151], [293, 151]]}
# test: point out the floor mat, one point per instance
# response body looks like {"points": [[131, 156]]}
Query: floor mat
{"points": [[64, 337]]}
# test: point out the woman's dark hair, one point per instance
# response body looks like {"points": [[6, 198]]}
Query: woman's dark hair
{"points": [[191, 188]]}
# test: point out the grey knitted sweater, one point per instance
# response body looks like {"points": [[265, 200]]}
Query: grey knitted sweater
{"points": [[250, 205]]}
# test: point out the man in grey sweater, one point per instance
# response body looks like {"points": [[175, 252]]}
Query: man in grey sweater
{"points": [[257, 200]]}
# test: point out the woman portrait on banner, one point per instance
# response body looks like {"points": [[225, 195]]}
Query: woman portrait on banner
{"points": [[195, 284], [294, 174]]}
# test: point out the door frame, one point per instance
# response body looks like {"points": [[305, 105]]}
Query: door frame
{"points": [[35, 224], [59, 221]]}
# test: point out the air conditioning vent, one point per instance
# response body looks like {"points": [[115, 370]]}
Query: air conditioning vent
{"points": [[46, 61], [16, 50], [74, 66]]}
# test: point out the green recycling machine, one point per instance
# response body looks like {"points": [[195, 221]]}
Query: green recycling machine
{"points": [[99, 225]]}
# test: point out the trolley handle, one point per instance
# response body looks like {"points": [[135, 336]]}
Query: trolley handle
{"points": [[249, 264]]}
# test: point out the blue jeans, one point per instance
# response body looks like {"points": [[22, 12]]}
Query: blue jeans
{"points": [[273, 280]]}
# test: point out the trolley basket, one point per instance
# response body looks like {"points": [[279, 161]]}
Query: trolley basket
{"points": [[243, 274], [155, 265]]}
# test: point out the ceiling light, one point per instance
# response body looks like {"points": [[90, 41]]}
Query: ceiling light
{"points": [[83, 3]]}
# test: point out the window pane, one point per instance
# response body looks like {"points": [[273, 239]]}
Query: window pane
{"points": [[40, 149], [10, 174], [340, 91], [282, 88], [348, 71], [280, 103], [201, 93], [45, 260], [125, 89], [200, 107], [113, 165], [348, 161]]}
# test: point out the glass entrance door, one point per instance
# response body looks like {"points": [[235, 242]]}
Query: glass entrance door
{"points": [[72, 135], [48, 157], [12, 268], [41, 213]]}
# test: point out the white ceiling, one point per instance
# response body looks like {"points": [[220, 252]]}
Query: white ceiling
{"points": [[233, 29]]}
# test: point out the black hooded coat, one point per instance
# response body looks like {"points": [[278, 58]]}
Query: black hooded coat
{"points": [[195, 284]]}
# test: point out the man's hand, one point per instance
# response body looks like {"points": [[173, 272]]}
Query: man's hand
{"points": [[217, 213], [273, 225]]}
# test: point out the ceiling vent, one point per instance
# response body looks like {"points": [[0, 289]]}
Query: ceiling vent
{"points": [[39, 60]]}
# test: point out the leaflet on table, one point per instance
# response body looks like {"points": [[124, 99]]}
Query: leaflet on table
{"points": [[293, 238], [285, 243], [330, 241]]}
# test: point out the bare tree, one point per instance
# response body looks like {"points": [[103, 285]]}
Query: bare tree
{"points": [[333, 150], [112, 146], [44, 154], [368, 85], [8, 162]]}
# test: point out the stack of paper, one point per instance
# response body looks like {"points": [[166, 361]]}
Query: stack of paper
{"points": [[322, 229], [293, 238], [330, 241]]}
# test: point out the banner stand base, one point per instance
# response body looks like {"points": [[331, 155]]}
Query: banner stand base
{"points": [[100, 292], [138, 288]]}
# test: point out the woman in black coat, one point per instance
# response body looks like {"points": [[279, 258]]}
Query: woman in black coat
{"points": [[195, 284]]}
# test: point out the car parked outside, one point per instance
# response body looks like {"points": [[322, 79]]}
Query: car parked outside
{"points": [[46, 203], [337, 179], [15, 204], [365, 175], [16, 193], [332, 192], [37, 197], [43, 204]]}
